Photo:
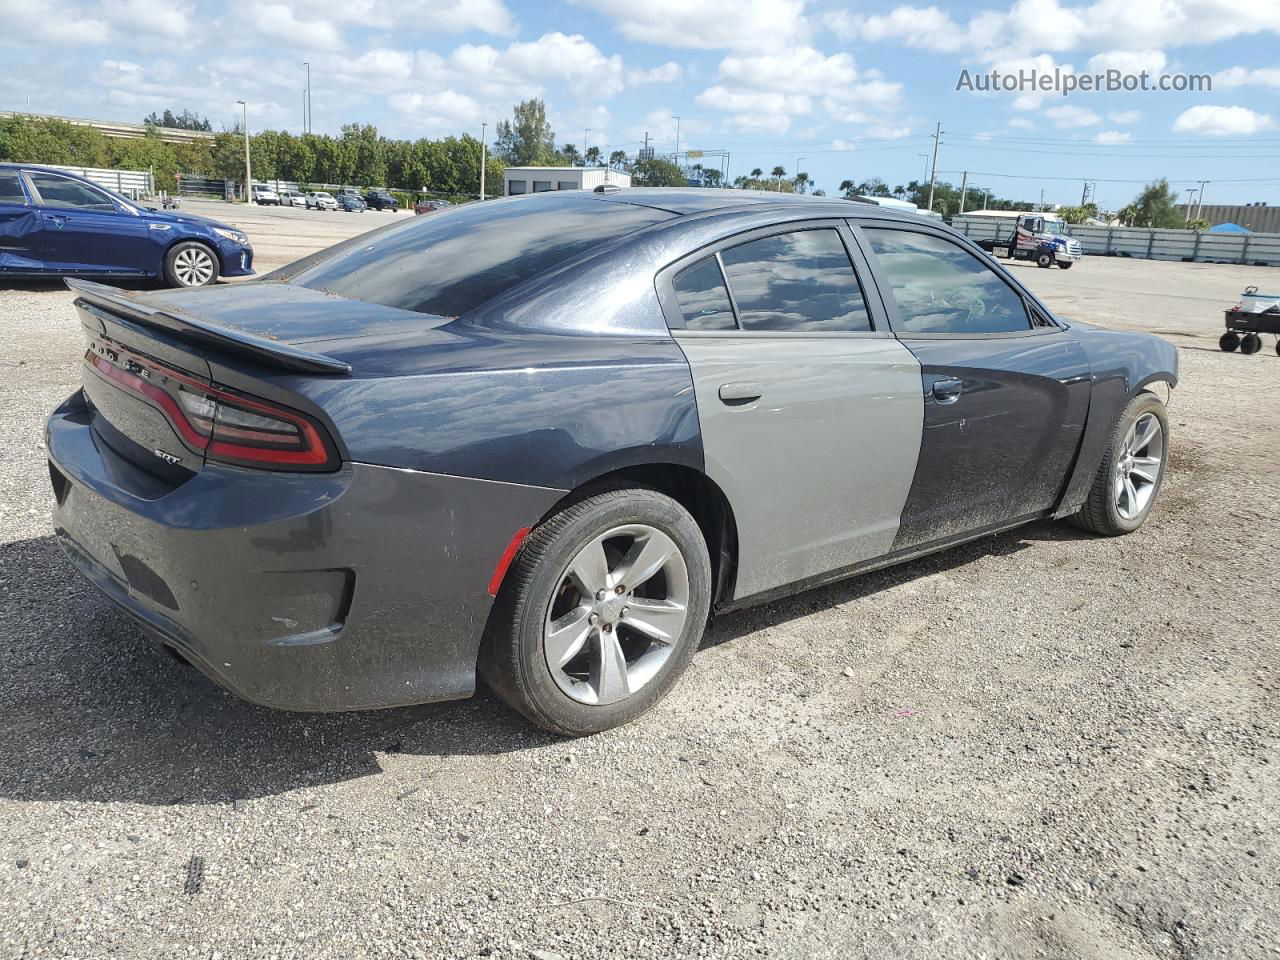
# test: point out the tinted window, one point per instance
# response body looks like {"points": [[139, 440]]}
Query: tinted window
{"points": [[942, 288], [10, 188], [702, 296], [60, 192], [800, 281], [454, 261]]}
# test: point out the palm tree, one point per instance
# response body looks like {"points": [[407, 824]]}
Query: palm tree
{"points": [[802, 181], [778, 173], [757, 173], [617, 158], [899, 191], [846, 187]]}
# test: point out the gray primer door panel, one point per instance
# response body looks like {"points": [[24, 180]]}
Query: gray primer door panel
{"points": [[818, 467]]}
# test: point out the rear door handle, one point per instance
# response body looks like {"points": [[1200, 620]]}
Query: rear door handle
{"points": [[947, 390], [740, 393]]}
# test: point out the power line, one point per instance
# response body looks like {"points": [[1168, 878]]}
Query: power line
{"points": [[1076, 179]]}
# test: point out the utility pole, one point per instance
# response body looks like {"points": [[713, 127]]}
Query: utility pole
{"points": [[933, 169], [1040, 209], [482, 159], [306, 112], [677, 120], [248, 174], [1200, 199], [584, 145], [964, 189], [798, 159]]}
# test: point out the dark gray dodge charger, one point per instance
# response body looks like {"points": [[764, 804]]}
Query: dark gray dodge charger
{"points": [[543, 438]]}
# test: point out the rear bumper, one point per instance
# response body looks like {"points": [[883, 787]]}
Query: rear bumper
{"points": [[357, 589]]}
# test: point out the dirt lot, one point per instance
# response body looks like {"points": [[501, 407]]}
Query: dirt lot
{"points": [[1050, 744]]}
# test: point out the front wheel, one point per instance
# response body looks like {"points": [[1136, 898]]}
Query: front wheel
{"points": [[1251, 343], [190, 264], [1130, 474], [1044, 259], [1229, 341], [1064, 264], [600, 613]]}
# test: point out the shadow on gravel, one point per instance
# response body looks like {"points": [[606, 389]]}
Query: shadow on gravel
{"points": [[92, 710]]}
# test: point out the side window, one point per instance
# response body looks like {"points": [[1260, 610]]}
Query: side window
{"points": [[703, 298], [10, 188], [801, 281], [942, 288], [60, 192]]}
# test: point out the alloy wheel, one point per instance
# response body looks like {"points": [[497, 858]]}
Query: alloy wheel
{"points": [[617, 613], [1137, 470], [193, 266]]}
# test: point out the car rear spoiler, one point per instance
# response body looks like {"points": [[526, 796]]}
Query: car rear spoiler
{"points": [[193, 329]]}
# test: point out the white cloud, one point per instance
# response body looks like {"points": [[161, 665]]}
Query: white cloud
{"points": [[756, 110], [669, 72], [1022, 123], [438, 111], [1241, 77], [448, 16], [708, 24], [757, 89], [888, 132], [1068, 117], [844, 145], [1124, 117], [276, 21], [1210, 121], [1129, 61], [1056, 25], [1113, 136], [1028, 101]]}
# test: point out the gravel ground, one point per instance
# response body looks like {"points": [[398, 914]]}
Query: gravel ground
{"points": [[1041, 744]]}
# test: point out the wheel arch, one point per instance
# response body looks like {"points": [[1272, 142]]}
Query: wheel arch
{"points": [[190, 238], [693, 490]]}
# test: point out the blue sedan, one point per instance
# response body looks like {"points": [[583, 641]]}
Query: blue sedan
{"points": [[55, 224]]}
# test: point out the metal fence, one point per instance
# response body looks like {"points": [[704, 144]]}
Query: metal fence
{"points": [[1259, 249], [132, 183]]}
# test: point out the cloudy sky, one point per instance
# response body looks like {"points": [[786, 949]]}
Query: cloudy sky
{"points": [[852, 88]]}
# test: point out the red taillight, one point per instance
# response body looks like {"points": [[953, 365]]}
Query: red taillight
{"points": [[228, 426]]}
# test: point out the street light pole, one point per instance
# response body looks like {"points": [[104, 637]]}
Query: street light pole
{"points": [[248, 174], [306, 124], [584, 145], [798, 159], [482, 159], [677, 120]]}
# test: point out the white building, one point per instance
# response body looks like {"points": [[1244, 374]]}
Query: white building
{"points": [[518, 180]]}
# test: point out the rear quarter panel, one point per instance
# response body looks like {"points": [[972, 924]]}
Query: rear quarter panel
{"points": [[1122, 364]]}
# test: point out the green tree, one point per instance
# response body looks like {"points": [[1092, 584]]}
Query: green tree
{"points": [[569, 156], [618, 159], [846, 187], [527, 138], [778, 173], [802, 181], [711, 178], [592, 157], [183, 121], [657, 173], [1078, 214], [1154, 206]]}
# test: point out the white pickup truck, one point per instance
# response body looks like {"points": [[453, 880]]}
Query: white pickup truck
{"points": [[1039, 238]]}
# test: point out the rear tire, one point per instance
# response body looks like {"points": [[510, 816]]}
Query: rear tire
{"points": [[1064, 265], [1229, 341], [1251, 344], [1131, 473], [1044, 259], [191, 264], [567, 651]]}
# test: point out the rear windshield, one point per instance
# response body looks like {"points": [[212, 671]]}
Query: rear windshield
{"points": [[452, 262]]}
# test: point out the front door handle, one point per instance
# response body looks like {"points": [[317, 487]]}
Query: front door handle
{"points": [[947, 390], [740, 393]]}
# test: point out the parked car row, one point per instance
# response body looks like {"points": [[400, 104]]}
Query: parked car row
{"points": [[348, 199]]}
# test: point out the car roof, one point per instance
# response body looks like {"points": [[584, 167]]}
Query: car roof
{"points": [[690, 201]]}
